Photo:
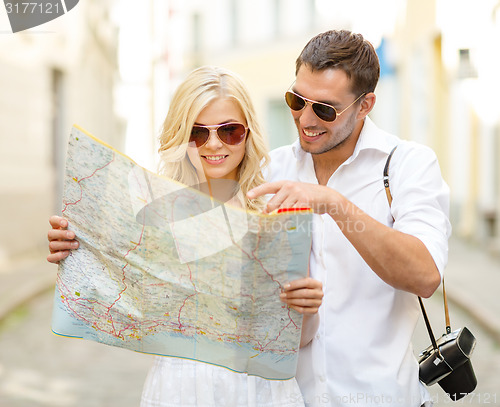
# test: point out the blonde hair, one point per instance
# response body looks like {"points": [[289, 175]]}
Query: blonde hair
{"points": [[199, 89]]}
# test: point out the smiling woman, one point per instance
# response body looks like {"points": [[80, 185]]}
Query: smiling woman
{"points": [[211, 141], [210, 97], [216, 158]]}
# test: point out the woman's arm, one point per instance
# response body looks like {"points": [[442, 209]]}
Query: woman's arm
{"points": [[305, 295], [61, 240]]}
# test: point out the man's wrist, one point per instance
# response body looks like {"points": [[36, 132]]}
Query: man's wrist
{"points": [[337, 206]]}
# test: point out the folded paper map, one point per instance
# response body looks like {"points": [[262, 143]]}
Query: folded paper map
{"points": [[165, 269]]}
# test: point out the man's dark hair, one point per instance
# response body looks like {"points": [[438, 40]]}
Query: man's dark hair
{"points": [[343, 50]]}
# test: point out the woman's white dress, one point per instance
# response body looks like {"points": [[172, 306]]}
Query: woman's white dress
{"points": [[182, 382]]}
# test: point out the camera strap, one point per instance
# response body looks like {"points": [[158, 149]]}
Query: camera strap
{"points": [[426, 319]]}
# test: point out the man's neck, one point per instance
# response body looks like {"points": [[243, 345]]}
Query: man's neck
{"points": [[325, 164]]}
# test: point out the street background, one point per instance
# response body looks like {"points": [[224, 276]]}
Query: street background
{"points": [[111, 66], [38, 368]]}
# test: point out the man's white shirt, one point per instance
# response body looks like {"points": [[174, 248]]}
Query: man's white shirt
{"points": [[362, 353]]}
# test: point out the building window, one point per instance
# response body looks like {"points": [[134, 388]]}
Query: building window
{"points": [[281, 129], [466, 66]]}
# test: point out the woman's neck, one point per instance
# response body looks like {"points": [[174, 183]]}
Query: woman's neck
{"points": [[224, 190]]}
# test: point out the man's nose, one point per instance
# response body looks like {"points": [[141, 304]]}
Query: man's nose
{"points": [[307, 116]]}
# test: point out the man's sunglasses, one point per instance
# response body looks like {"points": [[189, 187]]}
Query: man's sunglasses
{"points": [[324, 111], [229, 133]]}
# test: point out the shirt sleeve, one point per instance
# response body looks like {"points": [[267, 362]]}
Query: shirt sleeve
{"points": [[421, 199]]}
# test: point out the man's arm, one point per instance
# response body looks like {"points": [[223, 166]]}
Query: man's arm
{"points": [[399, 259]]}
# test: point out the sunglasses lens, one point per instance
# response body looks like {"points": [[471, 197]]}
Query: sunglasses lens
{"points": [[232, 133], [324, 112], [294, 102], [199, 135]]}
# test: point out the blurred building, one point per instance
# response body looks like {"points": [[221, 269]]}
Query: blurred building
{"points": [[439, 79], [448, 59], [151, 54], [51, 76], [439, 61], [261, 39]]}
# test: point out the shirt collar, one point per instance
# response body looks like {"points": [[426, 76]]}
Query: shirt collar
{"points": [[371, 137], [297, 150]]}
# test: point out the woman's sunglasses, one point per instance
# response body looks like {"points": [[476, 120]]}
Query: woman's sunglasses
{"points": [[229, 133], [324, 111]]}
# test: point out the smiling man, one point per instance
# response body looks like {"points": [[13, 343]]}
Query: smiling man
{"points": [[373, 259]]}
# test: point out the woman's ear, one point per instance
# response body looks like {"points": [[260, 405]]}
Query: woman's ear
{"points": [[367, 103]]}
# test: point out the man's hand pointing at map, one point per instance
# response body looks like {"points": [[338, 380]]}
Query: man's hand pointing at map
{"points": [[288, 194]]}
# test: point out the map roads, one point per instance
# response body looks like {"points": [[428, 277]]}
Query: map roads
{"points": [[164, 269]]}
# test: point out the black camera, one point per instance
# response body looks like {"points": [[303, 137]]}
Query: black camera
{"points": [[450, 364]]}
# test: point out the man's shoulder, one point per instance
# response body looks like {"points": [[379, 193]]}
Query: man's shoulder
{"points": [[414, 150], [283, 152], [413, 164], [283, 163], [285, 157], [383, 140]]}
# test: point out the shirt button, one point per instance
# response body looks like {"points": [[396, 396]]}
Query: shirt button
{"points": [[322, 378]]}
